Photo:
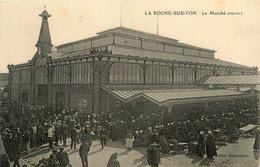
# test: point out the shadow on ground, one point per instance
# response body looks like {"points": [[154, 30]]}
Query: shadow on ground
{"points": [[36, 152], [195, 158], [206, 161]]}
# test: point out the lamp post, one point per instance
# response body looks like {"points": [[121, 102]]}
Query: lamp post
{"points": [[117, 108]]}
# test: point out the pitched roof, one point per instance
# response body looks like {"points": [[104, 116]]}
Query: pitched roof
{"points": [[145, 35], [56, 55], [163, 96], [150, 54], [231, 80], [139, 34], [170, 56]]}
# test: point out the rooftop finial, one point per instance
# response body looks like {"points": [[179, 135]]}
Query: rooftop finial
{"points": [[44, 41]]}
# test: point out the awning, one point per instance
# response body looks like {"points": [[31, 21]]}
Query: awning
{"points": [[247, 128], [176, 96], [231, 80]]}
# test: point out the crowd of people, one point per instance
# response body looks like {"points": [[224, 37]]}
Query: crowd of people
{"points": [[26, 126]]}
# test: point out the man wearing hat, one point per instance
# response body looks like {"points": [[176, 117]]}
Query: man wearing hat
{"points": [[155, 136], [57, 134], [129, 140], [210, 145], [73, 135], [153, 155], [26, 140], [201, 144], [50, 136], [63, 157], [103, 136], [64, 132], [83, 153]]}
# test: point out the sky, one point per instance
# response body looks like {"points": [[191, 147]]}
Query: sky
{"points": [[235, 38]]}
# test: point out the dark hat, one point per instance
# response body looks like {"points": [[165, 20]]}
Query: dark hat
{"points": [[55, 150]]}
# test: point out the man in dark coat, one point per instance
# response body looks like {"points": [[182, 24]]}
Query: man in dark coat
{"points": [[201, 144], [87, 135], [210, 145], [114, 131], [83, 153], [4, 160], [40, 135], [149, 137], [64, 132], [257, 140], [73, 135], [103, 136], [57, 133], [16, 149], [26, 141], [153, 155], [63, 158]]}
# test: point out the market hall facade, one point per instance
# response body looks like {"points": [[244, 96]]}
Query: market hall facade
{"points": [[119, 66]]}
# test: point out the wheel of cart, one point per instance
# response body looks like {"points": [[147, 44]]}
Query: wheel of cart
{"points": [[190, 137], [164, 146]]}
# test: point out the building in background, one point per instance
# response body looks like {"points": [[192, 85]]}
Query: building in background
{"points": [[3, 85], [117, 68]]}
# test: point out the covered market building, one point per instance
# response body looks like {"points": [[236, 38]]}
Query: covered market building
{"points": [[120, 67]]}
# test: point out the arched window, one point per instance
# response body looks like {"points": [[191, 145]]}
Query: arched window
{"points": [[126, 73], [41, 75], [61, 75]]}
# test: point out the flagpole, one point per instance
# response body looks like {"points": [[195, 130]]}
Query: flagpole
{"points": [[120, 13]]}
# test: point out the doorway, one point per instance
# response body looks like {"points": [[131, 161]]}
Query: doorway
{"points": [[60, 102], [43, 94]]}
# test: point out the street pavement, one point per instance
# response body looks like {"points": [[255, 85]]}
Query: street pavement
{"points": [[238, 154]]}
